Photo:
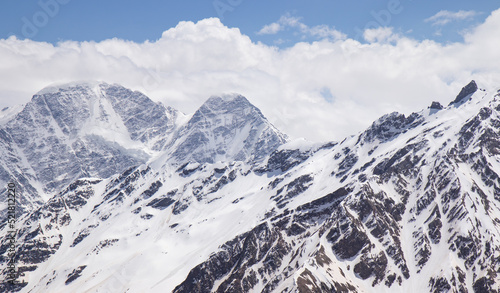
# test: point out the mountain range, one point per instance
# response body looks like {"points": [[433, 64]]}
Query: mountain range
{"points": [[121, 194], [93, 129]]}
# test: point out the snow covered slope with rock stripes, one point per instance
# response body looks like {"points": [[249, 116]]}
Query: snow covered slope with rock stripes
{"points": [[412, 204]]}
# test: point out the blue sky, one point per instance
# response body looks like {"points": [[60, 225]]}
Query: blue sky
{"points": [[138, 21]]}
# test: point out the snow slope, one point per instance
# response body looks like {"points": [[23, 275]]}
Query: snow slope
{"points": [[78, 130], [411, 204]]}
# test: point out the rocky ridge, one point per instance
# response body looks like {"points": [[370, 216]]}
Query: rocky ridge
{"points": [[410, 204], [94, 129]]}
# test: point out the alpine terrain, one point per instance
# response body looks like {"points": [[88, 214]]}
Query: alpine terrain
{"points": [[117, 193]]}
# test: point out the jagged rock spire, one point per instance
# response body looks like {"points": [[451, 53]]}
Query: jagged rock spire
{"points": [[466, 92]]}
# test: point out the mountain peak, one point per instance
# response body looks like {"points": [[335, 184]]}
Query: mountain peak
{"points": [[390, 126], [87, 128], [227, 98], [410, 204], [225, 104], [465, 93], [57, 87], [227, 128], [436, 106]]}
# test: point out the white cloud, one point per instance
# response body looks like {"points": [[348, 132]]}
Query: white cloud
{"points": [[270, 29], [192, 61], [291, 21], [444, 16], [288, 21], [324, 31], [380, 35]]}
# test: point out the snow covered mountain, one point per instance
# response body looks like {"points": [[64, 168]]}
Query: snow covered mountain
{"points": [[411, 204], [225, 128], [85, 129], [93, 129]]}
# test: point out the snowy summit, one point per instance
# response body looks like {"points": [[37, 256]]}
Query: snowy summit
{"points": [[225, 203]]}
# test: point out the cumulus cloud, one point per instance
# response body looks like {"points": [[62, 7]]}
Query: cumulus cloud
{"points": [[288, 21], [444, 16], [323, 90]]}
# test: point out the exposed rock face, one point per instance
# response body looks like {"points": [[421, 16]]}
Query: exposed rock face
{"points": [[465, 93], [390, 126], [93, 129], [226, 128], [409, 205], [436, 106], [79, 130]]}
